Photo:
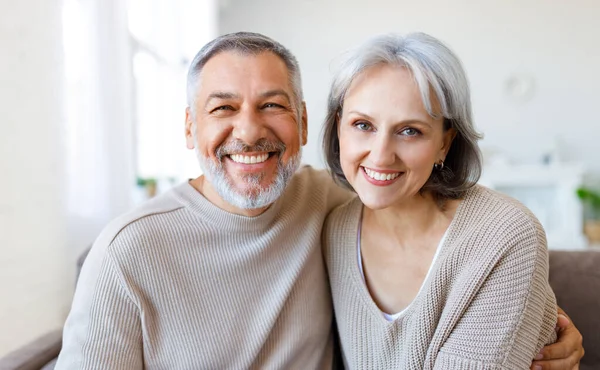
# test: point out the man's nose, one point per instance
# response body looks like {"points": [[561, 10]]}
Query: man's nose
{"points": [[249, 127]]}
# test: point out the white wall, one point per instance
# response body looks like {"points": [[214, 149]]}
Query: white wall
{"points": [[34, 270], [556, 43]]}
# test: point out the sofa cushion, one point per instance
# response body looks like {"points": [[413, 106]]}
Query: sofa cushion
{"points": [[575, 279]]}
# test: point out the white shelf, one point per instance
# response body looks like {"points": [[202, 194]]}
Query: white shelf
{"points": [[549, 191]]}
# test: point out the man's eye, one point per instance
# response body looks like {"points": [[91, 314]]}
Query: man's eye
{"points": [[221, 108], [272, 105]]}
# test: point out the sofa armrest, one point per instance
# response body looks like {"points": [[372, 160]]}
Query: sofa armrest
{"points": [[34, 355]]}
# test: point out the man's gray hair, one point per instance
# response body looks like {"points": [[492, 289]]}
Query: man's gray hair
{"points": [[245, 43], [437, 70]]}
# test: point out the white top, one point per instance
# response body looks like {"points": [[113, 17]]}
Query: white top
{"points": [[392, 317]]}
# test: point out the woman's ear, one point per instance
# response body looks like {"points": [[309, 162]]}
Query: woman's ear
{"points": [[448, 138]]}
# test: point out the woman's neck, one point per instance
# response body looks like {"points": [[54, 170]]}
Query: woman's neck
{"points": [[411, 219]]}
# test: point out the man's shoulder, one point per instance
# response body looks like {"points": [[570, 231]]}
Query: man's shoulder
{"points": [[122, 242], [309, 173], [311, 183], [131, 223]]}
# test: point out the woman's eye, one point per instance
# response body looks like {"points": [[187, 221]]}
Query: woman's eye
{"points": [[410, 132], [363, 126]]}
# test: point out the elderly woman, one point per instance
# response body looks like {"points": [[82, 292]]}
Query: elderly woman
{"points": [[428, 270]]}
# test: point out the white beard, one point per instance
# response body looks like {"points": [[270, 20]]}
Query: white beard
{"points": [[255, 196]]}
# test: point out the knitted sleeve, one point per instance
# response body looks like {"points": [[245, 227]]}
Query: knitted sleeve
{"points": [[512, 315], [103, 330]]}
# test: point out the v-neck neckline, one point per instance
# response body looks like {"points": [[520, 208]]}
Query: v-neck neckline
{"points": [[361, 284]]}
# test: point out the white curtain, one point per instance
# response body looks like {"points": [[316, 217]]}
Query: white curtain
{"points": [[100, 135], [125, 63], [166, 34]]}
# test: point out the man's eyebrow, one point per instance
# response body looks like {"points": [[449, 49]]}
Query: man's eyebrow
{"points": [[223, 95], [278, 92]]}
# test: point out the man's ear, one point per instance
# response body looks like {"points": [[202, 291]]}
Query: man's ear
{"points": [[189, 127], [304, 124]]}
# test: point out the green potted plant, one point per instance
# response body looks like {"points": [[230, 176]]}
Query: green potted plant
{"points": [[591, 206], [149, 184]]}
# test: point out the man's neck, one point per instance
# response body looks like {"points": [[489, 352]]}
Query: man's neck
{"points": [[205, 188]]}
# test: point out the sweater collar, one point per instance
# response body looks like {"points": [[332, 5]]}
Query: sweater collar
{"points": [[193, 200]]}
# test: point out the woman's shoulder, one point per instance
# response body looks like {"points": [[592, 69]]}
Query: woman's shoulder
{"points": [[346, 213], [341, 225], [492, 229], [499, 204], [488, 210]]}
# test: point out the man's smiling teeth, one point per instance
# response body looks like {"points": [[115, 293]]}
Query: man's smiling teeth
{"points": [[381, 176], [249, 159]]}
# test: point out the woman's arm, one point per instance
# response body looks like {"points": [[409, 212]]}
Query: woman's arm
{"points": [[513, 313], [566, 353]]}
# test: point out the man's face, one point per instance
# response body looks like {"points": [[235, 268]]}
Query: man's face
{"points": [[246, 127]]}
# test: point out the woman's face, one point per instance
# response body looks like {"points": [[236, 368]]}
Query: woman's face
{"points": [[388, 141]]}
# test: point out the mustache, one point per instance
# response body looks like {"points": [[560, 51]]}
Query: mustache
{"points": [[238, 146]]}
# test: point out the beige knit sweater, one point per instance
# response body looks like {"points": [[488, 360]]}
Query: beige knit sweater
{"points": [[181, 284], [486, 304]]}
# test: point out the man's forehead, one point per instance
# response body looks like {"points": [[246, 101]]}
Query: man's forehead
{"points": [[237, 64], [233, 75], [223, 94]]}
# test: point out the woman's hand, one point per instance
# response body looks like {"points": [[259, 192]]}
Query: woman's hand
{"points": [[566, 353]]}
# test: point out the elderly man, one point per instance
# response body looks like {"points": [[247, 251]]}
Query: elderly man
{"points": [[225, 271]]}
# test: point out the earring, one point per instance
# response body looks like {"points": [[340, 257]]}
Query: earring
{"points": [[439, 166]]}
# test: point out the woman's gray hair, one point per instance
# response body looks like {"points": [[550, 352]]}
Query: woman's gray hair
{"points": [[437, 70], [247, 43]]}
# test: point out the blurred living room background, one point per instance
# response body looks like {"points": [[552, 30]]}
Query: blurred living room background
{"points": [[92, 100]]}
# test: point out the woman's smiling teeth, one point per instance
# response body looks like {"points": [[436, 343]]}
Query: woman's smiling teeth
{"points": [[381, 176], [249, 159]]}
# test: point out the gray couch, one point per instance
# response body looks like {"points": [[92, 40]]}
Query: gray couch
{"points": [[574, 276]]}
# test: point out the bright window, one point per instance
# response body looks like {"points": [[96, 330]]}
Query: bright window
{"points": [[165, 35]]}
